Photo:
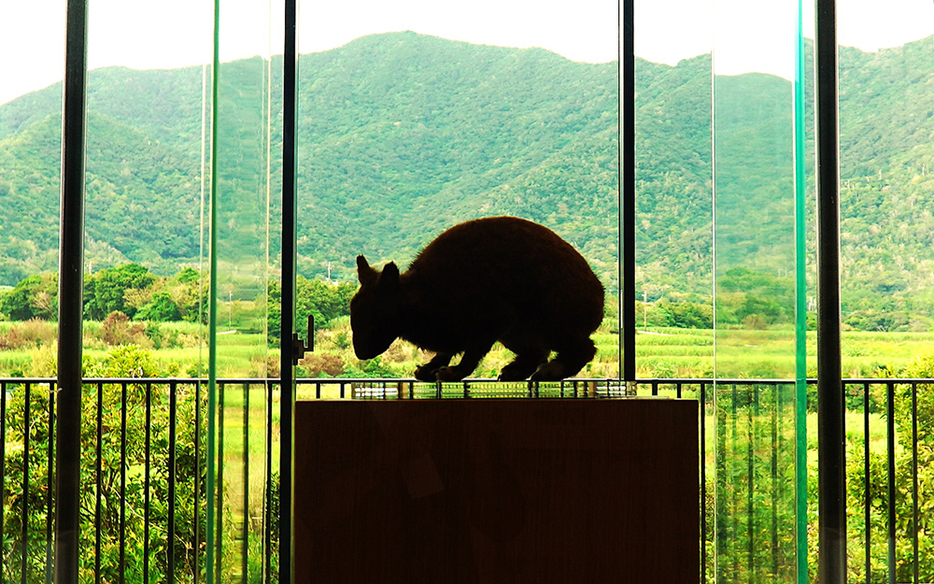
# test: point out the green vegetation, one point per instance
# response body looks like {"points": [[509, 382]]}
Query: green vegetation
{"points": [[124, 361], [662, 351], [755, 466], [128, 305], [28, 349], [115, 347], [427, 134], [316, 298], [35, 297]]}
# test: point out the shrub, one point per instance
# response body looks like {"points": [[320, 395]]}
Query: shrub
{"points": [[30, 334], [688, 315], [105, 291], [125, 361], [118, 330], [322, 364]]}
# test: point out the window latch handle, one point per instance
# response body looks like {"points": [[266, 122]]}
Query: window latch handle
{"points": [[299, 348]]}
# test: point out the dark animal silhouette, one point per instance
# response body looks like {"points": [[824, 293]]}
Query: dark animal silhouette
{"points": [[496, 279]]}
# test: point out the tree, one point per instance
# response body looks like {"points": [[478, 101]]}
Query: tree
{"points": [[190, 293], [34, 297], [105, 292], [688, 315], [161, 308], [754, 297]]}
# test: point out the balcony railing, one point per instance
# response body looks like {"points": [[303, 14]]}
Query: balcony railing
{"points": [[144, 475]]}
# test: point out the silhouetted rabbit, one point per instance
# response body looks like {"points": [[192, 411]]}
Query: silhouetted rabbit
{"points": [[496, 279]]}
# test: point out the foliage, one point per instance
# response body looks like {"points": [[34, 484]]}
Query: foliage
{"points": [[746, 447], [921, 368], [754, 482], [123, 490], [754, 298], [34, 297], [116, 330], [160, 309], [325, 301], [322, 365], [755, 498], [130, 289], [30, 334], [690, 315], [105, 292], [410, 151]]}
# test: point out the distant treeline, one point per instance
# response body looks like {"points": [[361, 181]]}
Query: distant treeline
{"points": [[137, 293], [130, 289], [745, 299]]}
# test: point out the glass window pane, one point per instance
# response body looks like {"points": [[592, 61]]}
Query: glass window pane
{"points": [[754, 174], [404, 134], [240, 442], [885, 75], [32, 39], [674, 308]]}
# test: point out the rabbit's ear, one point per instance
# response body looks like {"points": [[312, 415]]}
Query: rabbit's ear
{"points": [[365, 273], [389, 277]]}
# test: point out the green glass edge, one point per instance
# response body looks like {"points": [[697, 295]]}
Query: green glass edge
{"points": [[212, 309], [801, 475]]}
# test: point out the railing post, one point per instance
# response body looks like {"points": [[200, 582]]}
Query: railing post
{"points": [[914, 485], [831, 431], [3, 388], [24, 508], [170, 528], [71, 284], [866, 481], [890, 477]]}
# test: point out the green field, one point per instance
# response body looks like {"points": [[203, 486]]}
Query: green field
{"points": [[771, 353], [179, 350]]}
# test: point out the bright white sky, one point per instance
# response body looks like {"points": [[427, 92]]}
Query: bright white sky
{"points": [[747, 35]]}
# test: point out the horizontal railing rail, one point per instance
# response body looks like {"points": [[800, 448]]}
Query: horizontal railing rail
{"points": [[144, 465]]}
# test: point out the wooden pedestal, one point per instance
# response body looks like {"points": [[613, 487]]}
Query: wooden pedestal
{"points": [[499, 491]]}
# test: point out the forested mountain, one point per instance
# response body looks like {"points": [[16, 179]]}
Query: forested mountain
{"points": [[402, 135]]}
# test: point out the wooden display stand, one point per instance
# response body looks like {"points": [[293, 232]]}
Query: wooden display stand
{"points": [[490, 490]]}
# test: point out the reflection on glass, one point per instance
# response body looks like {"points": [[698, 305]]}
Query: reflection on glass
{"points": [[755, 490], [754, 291], [239, 444]]}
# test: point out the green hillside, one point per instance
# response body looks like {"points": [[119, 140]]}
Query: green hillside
{"points": [[430, 132], [402, 135]]}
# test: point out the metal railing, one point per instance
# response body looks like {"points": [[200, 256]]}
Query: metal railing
{"points": [[144, 464]]}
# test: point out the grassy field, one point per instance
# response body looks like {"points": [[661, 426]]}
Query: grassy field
{"points": [[178, 349], [770, 353]]}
